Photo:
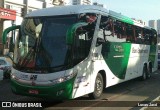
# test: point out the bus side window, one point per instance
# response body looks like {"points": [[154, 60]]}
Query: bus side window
{"points": [[111, 27], [150, 37], [82, 44], [146, 37], [118, 29], [128, 33], [154, 38], [106, 28], [124, 30], [138, 36]]}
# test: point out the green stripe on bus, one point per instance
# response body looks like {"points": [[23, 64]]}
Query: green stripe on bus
{"points": [[127, 20], [152, 54], [121, 17], [116, 55]]}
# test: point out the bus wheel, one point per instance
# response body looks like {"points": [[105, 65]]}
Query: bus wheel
{"points": [[98, 88], [144, 75], [149, 71]]}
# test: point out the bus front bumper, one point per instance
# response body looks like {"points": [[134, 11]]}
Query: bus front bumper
{"points": [[58, 91]]}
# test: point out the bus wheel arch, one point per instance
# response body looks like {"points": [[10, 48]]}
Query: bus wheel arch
{"points": [[100, 84]]}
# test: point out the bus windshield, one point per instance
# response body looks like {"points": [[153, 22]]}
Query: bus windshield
{"points": [[42, 43]]}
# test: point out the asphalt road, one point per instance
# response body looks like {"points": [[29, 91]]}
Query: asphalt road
{"points": [[124, 96]]}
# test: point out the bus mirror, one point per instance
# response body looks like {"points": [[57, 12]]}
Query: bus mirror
{"points": [[6, 31], [72, 31], [12, 38], [100, 41]]}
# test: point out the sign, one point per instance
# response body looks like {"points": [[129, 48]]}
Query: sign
{"points": [[7, 14]]}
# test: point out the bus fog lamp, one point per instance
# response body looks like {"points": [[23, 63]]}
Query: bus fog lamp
{"points": [[59, 80], [62, 79], [60, 92]]}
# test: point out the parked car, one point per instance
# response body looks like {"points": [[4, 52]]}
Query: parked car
{"points": [[158, 60], [6, 67], [1, 75]]}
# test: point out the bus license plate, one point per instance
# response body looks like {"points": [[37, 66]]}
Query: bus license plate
{"points": [[33, 92]]}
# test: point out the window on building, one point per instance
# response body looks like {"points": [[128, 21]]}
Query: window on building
{"points": [[8, 6]]}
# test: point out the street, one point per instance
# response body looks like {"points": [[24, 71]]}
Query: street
{"points": [[124, 96]]}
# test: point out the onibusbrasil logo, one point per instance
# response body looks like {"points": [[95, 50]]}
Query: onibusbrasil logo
{"points": [[18, 104]]}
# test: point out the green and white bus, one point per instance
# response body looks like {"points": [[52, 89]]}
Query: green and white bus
{"points": [[70, 51]]}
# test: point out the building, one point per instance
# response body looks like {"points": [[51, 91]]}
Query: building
{"points": [[101, 5], [13, 11], [158, 26], [70, 2], [81, 2], [152, 23], [61, 2]]}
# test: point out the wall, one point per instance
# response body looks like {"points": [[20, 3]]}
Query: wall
{"points": [[22, 7]]}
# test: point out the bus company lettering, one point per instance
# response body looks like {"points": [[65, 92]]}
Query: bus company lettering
{"points": [[135, 50], [118, 48]]}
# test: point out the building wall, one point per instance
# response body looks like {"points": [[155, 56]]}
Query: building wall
{"points": [[152, 23], [81, 2], [22, 7], [1, 3], [158, 26]]}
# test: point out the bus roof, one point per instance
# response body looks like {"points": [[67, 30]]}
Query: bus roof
{"points": [[128, 20], [77, 9], [67, 10]]}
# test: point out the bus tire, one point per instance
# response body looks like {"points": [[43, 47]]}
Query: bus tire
{"points": [[144, 75], [98, 88], [149, 71]]}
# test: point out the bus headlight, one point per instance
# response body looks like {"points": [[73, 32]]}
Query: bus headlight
{"points": [[62, 79], [14, 77], [59, 80]]}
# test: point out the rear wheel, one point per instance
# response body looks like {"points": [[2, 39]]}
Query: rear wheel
{"points": [[149, 71], [98, 88], [144, 75]]}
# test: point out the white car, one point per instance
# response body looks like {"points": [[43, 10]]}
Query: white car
{"points": [[5, 66]]}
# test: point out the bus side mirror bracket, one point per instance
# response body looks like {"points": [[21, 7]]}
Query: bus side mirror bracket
{"points": [[6, 31], [100, 41], [4, 38]]}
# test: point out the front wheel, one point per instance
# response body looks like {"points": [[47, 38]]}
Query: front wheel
{"points": [[98, 88]]}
